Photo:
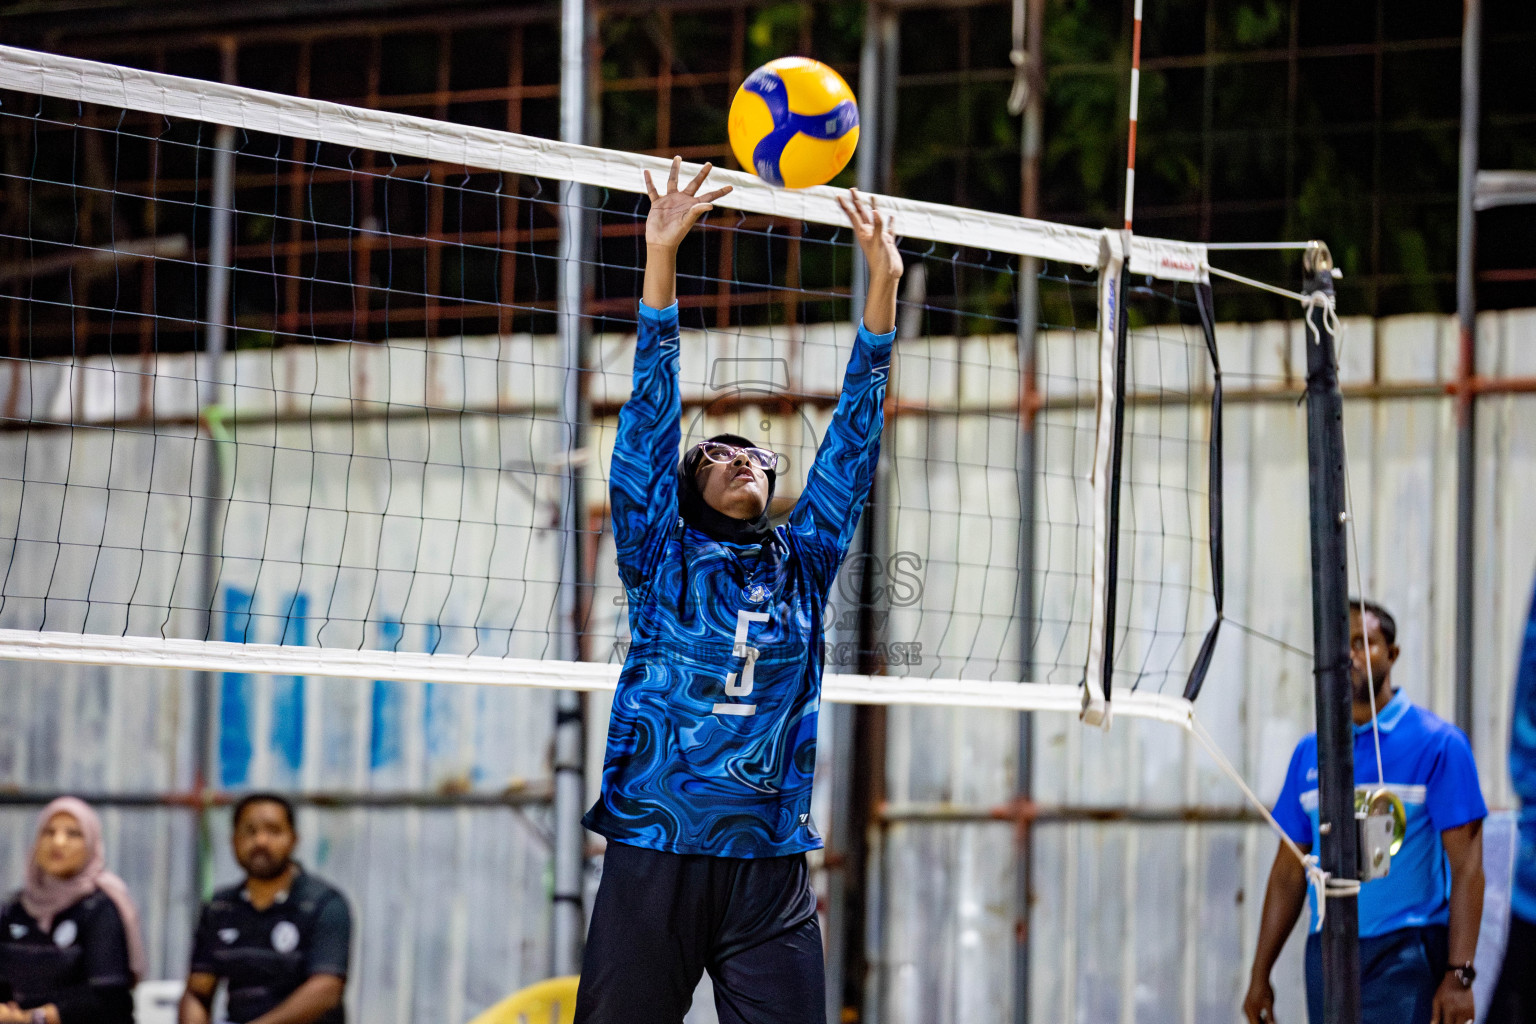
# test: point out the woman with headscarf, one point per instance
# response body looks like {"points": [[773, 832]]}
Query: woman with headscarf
{"points": [[70, 949]]}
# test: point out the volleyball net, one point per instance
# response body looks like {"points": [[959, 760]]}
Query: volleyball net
{"points": [[300, 389]]}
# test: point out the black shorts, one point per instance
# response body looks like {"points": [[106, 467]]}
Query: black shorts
{"points": [[661, 919]]}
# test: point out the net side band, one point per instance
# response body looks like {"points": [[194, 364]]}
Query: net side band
{"points": [[410, 666], [85, 81]]}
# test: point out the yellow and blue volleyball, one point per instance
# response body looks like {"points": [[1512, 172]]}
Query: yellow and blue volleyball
{"points": [[794, 122]]}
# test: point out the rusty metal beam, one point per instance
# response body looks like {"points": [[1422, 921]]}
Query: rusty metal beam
{"points": [[89, 42], [169, 247], [779, 404], [1026, 812], [447, 795]]}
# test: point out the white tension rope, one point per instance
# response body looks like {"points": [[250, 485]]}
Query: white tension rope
{"points": [[1325, 884]]}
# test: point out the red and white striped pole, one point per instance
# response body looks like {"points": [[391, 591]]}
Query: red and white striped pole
{"points": [[1130, 150]]}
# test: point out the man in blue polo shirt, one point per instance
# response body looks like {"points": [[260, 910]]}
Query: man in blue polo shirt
{"points": [[1418, 925], [1514, 1001]]}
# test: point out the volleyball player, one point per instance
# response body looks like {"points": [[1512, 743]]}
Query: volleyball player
{"points": [[1514, 998], [706, 788]]}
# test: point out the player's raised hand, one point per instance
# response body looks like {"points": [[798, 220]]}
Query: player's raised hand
{"points": [[674, 213], [876, 237], [873, 230]]}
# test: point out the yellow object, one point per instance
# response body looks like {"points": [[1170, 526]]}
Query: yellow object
{"points": [[1383, 801], [794, 122], [546, 1002]]}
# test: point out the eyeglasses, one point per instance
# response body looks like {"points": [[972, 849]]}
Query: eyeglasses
{"points": [[762, 458]]}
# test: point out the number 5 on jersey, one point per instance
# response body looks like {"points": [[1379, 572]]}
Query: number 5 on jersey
{"points": [[742, 687]]}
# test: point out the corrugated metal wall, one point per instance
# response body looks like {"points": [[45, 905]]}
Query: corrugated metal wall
{"points": [[451, 903], [1156, 922], [1131, 922], [345, 526]]}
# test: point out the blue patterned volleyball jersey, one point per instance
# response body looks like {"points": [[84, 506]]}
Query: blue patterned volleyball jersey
{"points": [[1522, 772], [712, 740]]}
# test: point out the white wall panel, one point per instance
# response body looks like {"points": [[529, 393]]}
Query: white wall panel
{"points": [[1130, 922], [1155, 923]]}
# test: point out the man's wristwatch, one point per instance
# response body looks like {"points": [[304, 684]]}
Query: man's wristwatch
{"points": [[39, 1017], [1465, 974]]}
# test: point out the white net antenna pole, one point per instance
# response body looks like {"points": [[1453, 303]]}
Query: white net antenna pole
{"points": [[1130, 148]]}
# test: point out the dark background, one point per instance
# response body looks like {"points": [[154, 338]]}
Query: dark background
{"points": [[1260, 120]]}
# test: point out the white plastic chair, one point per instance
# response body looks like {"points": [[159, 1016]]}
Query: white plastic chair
{"points": [[155, 1002]]}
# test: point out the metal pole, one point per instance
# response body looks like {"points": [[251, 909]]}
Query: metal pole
{"points": [[1028, 30], [1466, 399], [858, 732], [210, 388], [871, 728], [1024, 785], [568, 917], [867, 168], [1330, 631], [839, 722], [889, 68]]}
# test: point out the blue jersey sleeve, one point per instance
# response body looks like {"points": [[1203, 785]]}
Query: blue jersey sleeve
{"points": [[1292, 817], [1452, 795], [642, 479], [1522, 724], [822, 524], [1522, 772]]}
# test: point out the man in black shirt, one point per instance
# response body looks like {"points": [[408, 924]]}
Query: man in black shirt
{"points": [[280, 939]]}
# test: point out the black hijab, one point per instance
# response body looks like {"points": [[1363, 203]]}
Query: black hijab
{"points": [[711, 522]]}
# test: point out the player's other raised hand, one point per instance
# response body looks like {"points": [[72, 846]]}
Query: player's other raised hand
{"points": [[873, 230], [674, 213]]}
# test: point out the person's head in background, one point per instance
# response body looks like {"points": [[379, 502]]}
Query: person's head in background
{"points": [[69, 863], [264, 835], [1372, 653], [67, 842]]}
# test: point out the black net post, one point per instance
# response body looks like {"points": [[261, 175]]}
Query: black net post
{"points": [[1330, 632]]}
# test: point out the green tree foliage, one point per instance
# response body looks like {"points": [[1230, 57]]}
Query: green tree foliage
{"points": [[1253, 144]]}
